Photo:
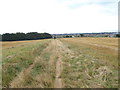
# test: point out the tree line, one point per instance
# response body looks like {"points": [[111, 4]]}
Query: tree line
{"points": [[23, 36]]}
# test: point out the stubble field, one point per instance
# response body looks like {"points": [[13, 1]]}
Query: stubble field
{"points": [[60, 63]]}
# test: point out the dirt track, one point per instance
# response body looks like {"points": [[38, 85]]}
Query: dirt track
{"points": [[57, 49]]}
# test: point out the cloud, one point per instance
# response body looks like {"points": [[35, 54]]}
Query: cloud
{"points": [[58, 16], [108, 6]]}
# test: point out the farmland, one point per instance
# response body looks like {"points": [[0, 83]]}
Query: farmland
{"points": [[60, 63]]}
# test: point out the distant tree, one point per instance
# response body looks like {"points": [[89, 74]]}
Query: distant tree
{"points": [[82, 35], [117, 35], [67, 36], [20, 36], [0, 37], [54, 37], [106, 36], [23, 36]]}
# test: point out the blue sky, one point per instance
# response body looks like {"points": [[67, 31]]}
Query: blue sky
{"points": [[58, 16]]}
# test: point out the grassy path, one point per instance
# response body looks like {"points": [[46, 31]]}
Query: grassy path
{"points": [[61, 51], [58, 80], [54, 54]]}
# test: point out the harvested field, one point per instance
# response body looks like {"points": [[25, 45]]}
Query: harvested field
{"points": [[61, 63]]}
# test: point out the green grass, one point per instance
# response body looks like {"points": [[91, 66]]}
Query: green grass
{"points": [[21, 57], [42, 74]]}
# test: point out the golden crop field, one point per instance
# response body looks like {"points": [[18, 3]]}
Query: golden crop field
{"points": [[61, 63], [13, 44]]}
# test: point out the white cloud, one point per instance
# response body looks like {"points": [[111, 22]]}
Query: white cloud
{"points": [[55, 16]]}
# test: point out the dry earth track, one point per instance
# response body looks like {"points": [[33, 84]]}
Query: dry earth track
{"points": [[57, 49]]}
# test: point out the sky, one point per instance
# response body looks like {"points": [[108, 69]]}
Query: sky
{"points": [[58, 16]]}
